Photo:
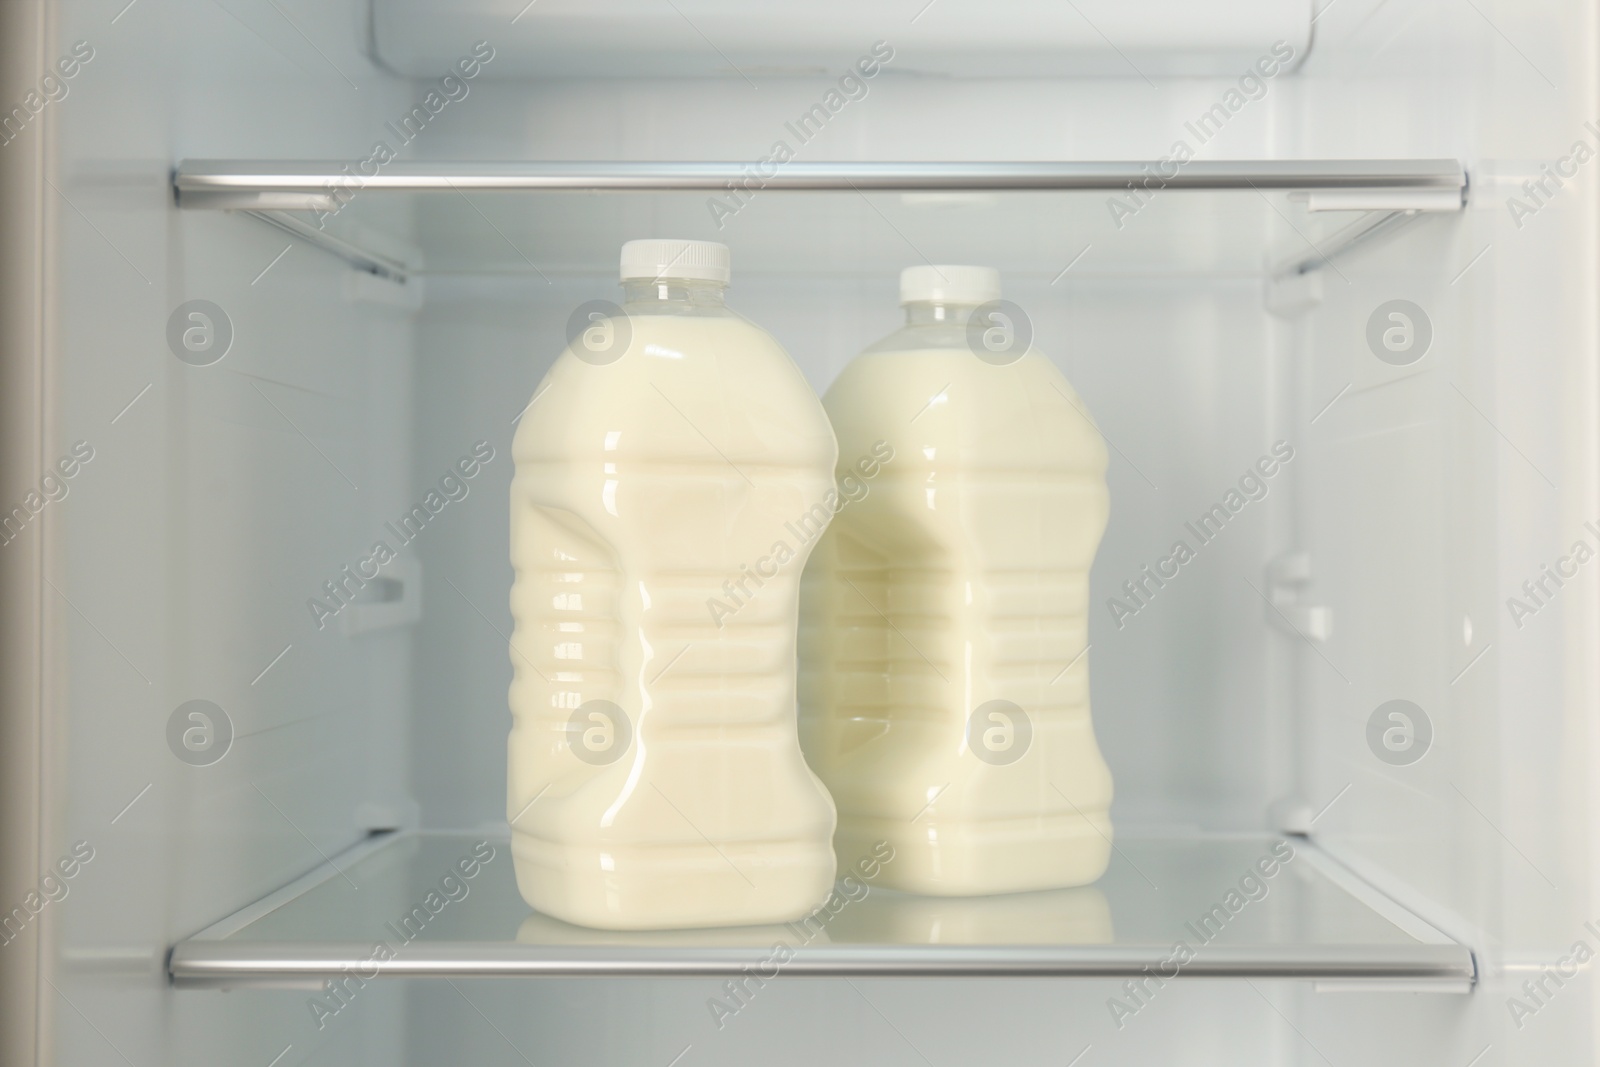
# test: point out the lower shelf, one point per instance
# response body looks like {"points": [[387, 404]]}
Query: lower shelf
{"points": [[404, 905]]}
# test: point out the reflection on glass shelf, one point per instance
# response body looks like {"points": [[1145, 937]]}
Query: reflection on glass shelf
{"points": [[429, 905], [861, 915], [1079, 916]]}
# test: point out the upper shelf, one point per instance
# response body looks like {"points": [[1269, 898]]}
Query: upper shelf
{"points": [[542, 218], [402, 905], [1436, 184]]}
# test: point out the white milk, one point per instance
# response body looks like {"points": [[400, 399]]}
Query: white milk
{"points": [[655, 470], [960, 578]]}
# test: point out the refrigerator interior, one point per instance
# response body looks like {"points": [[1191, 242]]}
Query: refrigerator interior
{"points": [[1232, 706]]}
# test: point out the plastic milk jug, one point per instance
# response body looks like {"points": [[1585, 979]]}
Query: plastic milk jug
{"points": [[656, 778], [944, 679]]}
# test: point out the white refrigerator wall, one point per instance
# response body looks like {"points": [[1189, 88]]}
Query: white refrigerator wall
{"points": [[217, 501], [1435, 490]]}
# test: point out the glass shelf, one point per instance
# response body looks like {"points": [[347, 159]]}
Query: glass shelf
{"points": [[1254, 217], [1311, 919]]}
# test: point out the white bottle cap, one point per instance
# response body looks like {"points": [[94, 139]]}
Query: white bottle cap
{"points": [[949, 285], [655, 258]]}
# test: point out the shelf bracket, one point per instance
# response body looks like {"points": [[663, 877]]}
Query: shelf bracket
{"points": [[360, 258], [1387, 209], [1369, 226]]}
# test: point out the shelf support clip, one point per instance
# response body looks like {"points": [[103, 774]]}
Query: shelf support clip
{"points": [[1287, 577]]}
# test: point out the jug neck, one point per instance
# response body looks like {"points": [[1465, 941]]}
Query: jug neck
{"points": [[670, 293], [938, 313]]}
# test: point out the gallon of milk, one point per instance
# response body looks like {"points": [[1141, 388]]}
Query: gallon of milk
{"points": [[944, 678], [656, 778]]}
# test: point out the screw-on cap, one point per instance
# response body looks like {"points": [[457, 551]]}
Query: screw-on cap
{"points": [[655, 258], [949, 285]]}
